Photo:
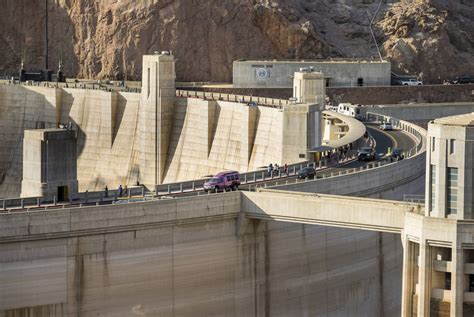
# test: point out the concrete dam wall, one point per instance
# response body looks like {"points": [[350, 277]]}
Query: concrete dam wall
{"points": [[192, 256], [228, 135], [105, 122]]}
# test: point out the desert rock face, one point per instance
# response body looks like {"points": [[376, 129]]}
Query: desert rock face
{"points": [[106, 39], [435, 39]]}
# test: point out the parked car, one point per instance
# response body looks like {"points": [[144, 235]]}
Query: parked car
{"points": [[411, 82], [386, 126], [463, 80], [397, 154], [306, 172], [223, 181], [366, 154]]}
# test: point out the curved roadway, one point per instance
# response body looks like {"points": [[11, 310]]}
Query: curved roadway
{"points": [[384, 140]]}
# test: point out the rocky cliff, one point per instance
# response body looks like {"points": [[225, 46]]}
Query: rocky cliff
{"points": [[105, 39]]}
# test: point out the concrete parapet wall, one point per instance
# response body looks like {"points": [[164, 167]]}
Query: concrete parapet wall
{"points": [[424, 111], [366, 95], [231, 97], [382, 181], [339, 211], [115, 218], [375, 182]]}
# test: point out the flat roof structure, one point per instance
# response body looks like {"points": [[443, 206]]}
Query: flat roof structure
{"points": [[458, 120], [338, 72]]}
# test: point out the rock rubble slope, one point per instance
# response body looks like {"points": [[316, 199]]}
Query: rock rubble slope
{"points": [[105, 39]]}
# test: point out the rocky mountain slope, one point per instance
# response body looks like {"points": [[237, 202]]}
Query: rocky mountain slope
{"points": [[105, 39]]}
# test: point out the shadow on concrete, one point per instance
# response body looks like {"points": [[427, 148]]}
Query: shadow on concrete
{"points": [[27, 109], [254, 136], [217, 117], [119, 113], [176, 131]]}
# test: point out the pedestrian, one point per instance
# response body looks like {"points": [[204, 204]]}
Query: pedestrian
{"points": [[106, 191], [286, 169], [270, 169], [126, 191], [120, 190]]}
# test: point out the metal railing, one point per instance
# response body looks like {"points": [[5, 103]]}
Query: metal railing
{"points": [[416, 131], [86, 198], [76, 85], [261, 176], [412, 198], [164, 191], [348, 171], [260, 101]]}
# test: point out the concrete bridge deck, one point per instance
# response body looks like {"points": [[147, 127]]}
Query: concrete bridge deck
{"points": [[328, 210], [333, 210]]}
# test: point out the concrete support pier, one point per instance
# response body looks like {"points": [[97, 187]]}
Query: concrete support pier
{"points": [[156, 115], [49, 164]]}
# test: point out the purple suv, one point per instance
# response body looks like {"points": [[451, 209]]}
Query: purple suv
{"points": [[223, 180]]}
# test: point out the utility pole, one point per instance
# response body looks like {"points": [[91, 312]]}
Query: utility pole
{"points": [[46, 35]]}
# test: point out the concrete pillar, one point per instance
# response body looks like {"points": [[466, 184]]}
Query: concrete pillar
{"points": [[156, 115], [457, 282], [409, 263], [424, 279], [309, 87]]}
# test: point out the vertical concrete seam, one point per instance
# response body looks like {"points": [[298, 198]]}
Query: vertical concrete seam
{"points": [[381, 269], [172, 263], [267, 271]]}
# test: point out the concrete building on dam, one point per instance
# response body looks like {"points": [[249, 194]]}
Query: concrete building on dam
{"points": [[343, 244], [338, 73]]}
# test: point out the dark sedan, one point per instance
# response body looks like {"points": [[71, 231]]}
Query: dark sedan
{"points": [[366, 154], [463, 80], [306, 172], [397, 154]]}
